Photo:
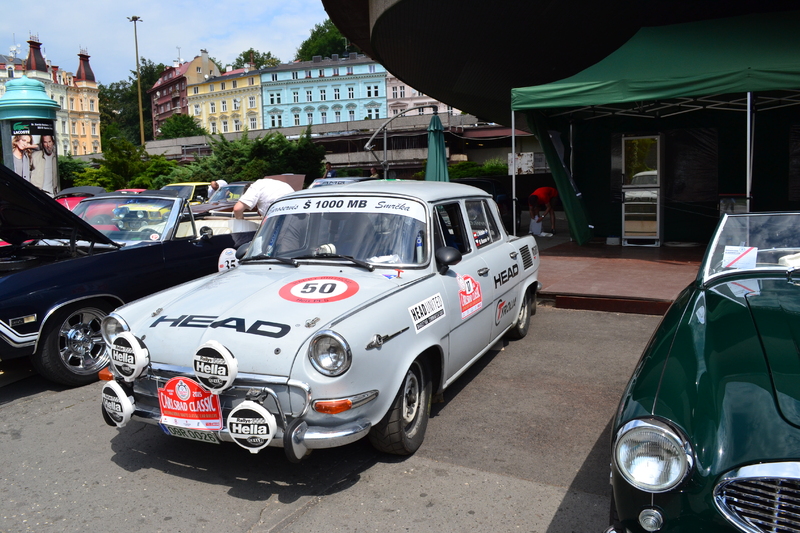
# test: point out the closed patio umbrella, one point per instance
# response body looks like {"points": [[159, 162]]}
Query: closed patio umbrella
{"points": [[436, 169]]}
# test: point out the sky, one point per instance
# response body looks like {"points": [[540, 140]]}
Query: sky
{"points": [[101, 27]]}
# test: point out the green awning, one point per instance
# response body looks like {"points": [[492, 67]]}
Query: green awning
{"points": [[736, 55]]}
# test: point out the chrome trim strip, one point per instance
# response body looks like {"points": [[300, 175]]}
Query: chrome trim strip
{"points": [[15, 339]]}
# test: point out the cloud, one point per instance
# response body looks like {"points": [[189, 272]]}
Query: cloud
{"points": [[102, 28]]}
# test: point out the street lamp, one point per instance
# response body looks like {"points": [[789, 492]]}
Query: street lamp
{"points": [[135, 19]]}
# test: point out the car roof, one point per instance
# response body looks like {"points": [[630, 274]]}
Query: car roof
{"points": [[187, 183], [429, 191]]}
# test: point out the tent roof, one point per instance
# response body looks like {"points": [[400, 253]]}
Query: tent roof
{"points": [[686, 64]]}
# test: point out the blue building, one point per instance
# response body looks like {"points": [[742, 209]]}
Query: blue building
{"points": [[323, 91]]}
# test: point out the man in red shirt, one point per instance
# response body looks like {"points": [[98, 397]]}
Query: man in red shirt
{"points": [[542, 197]]}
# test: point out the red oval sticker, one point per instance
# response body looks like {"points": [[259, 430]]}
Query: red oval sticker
{"points": [[322, 289]]}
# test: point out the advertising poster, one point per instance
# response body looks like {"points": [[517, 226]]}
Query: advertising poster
{"points": [[33, 144]]}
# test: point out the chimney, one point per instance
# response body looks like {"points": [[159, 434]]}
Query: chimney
{"points": [[316, 59], [84, 70], [335, 57], [35, 59], [204, 62]]}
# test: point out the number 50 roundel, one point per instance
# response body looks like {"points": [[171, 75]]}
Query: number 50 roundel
{"points": [[321, 289]]}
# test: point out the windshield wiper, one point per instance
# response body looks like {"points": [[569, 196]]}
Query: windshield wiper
{"points": [[261, 257], [350, 258]]}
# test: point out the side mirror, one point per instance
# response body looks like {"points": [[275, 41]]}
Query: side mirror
{"points": [[206, 233], [241, 250], [446, 256]]}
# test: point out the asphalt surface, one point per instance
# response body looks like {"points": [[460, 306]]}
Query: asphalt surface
{"points": [[520, 443]]}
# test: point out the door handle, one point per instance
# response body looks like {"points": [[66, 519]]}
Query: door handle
{"points": [[483, 271], [513, 255]]}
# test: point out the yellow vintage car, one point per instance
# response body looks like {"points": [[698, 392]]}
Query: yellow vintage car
{"points": [[195, 191]]}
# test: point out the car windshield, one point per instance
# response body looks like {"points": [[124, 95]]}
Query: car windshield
{"points": [[128, 217], [377, 230], [762, 241], [228, 193]]}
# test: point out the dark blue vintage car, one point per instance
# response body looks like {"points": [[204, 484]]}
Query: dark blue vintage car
{"points": [[61, 272]]}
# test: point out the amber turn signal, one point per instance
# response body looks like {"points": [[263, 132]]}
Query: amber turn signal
{"points": [[332, 407], [105, 375]]}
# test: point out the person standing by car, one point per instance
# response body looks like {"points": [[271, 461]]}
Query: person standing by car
{"points": [[543, 198], [214, 187], [260, 195], [373, 173], [329, 172]]}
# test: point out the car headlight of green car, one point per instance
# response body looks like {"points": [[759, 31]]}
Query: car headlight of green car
{"points": [[652, 456]]}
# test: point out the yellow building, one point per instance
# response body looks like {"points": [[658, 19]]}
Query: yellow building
{"points": [[228, 103]]}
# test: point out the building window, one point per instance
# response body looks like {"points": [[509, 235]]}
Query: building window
{"points": [[222, 86], [295, 96], [199, 70], [212, 107], [253, 123], [224, 106], [310, 117], [195, 90], [91, 104], [402, 91], [421, 111], [234, 84], [323, 117], [94, 128], [63, 126], [350, 92], [211, 87], [395, 111], [351, 114], [336, 95], [74, 128], [61, 101], [274, 76], [335, 71], [294, 75], [309, 97], [214, 127], [308, 74], [349, 70], [196, 109], [237, 125], [372, 69], [224, 126], [274, 98], [72, 104], [322, 95], [372, 90], [337, 116], [236, 104], [250, 81], [297, 119], [394, 92], [322, 73], [373, 113], [276, 121], [251, 101]]}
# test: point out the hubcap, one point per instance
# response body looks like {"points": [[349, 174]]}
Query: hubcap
{"points": [[80, 344], [410, 397]]}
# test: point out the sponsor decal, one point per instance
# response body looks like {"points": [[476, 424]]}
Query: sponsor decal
{"points": [[469, 295], [352, 204], [504, 307], [227, 260], [258, 327], [251, 426], [481, 238], [215, 367], [184, 403], [504, 276], [116, 403], [129, 356], [426, 312], [320, 289]]}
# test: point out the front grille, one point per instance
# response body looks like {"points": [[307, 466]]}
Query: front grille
{"points": [[761, 504]]}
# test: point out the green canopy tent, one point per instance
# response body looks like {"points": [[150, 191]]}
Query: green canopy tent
{"points": [[436, 167], [669, 70]]}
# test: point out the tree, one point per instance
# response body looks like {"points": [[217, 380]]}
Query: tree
{"points": [[180, 125], [68, 170], [258, 59], [325, 40]]}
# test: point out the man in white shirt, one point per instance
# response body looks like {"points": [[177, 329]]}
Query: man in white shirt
{"points": [[261, 195], [214, 187]]}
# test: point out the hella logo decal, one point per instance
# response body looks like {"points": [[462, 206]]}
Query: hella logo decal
{"points": [[258, 327]]}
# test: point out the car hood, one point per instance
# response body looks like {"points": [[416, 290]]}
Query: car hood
{"points": [[775, 308], [27, 213], [259, 312]]}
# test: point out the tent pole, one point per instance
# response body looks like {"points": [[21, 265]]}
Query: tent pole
{"points": [[513, 175], [749, 148]]}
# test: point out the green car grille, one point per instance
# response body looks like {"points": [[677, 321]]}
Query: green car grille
{"points": [[769, 505]]}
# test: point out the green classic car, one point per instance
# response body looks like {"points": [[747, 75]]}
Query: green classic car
{"points": [[707, 434]]}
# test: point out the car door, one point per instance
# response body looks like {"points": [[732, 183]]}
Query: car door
{"points": [[502, 260], [470, 322]]}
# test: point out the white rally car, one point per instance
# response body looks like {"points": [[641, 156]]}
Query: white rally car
{"points": [[352, 307]]}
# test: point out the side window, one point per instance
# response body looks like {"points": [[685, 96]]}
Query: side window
{"points": [[481, 222], [452, 225]]}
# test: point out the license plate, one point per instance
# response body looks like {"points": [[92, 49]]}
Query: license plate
{"points": [[192, 434]]}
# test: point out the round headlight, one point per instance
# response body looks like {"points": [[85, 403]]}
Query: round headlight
{"points": [[652, 456], [329, 353], [111, 326]]}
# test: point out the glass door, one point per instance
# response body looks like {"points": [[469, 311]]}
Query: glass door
{"points": [[641, 198]]}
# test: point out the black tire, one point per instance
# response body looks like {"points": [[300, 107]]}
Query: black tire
{"points": [[402, 430], [526, 309], [71, 350]]}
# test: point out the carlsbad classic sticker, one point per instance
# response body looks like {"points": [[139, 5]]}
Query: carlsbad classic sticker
{"points": [[469, 295], [426, 312], [184, 403], [321, 289]]}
